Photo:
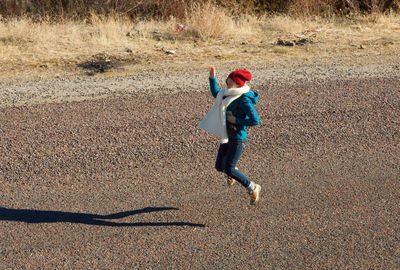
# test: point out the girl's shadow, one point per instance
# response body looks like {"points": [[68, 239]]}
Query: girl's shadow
{"points": [[39, 216]]}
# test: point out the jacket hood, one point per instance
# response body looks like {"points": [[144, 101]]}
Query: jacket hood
{"points": [[252, 95]]}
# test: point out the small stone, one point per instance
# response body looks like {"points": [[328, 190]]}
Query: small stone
{"points": [[281, 42], [170, 52]]}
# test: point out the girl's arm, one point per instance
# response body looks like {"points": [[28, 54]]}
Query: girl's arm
{"points": [[213, 82], [214, 87], [252, 119]]}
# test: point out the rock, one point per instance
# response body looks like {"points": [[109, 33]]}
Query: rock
{"points": [[170, 52], [298, 42], [301, 41], [281, 42]]}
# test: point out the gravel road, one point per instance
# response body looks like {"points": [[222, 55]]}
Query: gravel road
{"points": [[81, 88], [123, 179]]}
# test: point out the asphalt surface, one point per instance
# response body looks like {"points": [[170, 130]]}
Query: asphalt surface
{"points": [[129, 182]]}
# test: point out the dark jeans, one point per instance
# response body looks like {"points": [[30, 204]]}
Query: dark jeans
{"points": [[227, 158]]}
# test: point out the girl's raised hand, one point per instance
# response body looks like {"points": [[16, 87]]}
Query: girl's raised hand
{"points": [[212, 71]]}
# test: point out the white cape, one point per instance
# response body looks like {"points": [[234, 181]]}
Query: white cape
{"points": [[215, 120]]}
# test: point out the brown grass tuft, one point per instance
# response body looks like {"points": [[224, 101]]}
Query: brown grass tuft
{"points": [[207, 21]]}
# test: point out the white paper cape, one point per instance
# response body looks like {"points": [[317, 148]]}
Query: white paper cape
{"points": [[215, 120]]}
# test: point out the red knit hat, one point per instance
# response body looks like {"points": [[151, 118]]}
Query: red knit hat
{"points": [[240, 76]]}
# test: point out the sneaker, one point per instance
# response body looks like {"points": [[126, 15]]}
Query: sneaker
{"points": [[255, 195], [230, 181]]}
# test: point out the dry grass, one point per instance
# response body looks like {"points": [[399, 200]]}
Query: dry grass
{"points": [[209, 22], [81, 9], [212, 35], [62, 41]]}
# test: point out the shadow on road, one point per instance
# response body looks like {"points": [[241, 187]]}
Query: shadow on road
{"points": [[40, 216]]}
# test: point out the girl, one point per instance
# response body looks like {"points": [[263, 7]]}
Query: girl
{"points": [[233, 111]]}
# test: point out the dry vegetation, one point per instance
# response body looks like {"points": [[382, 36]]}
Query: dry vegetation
{"points": [[165, 8], [214, 34]]}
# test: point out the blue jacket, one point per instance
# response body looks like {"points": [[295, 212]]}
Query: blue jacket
{"points": [[246, 115]]}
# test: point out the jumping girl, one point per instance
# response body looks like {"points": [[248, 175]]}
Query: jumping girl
{"points": [[233, 111]]}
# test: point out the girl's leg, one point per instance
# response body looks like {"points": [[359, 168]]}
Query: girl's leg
{"points": [[221, 157], [233, 154]]}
